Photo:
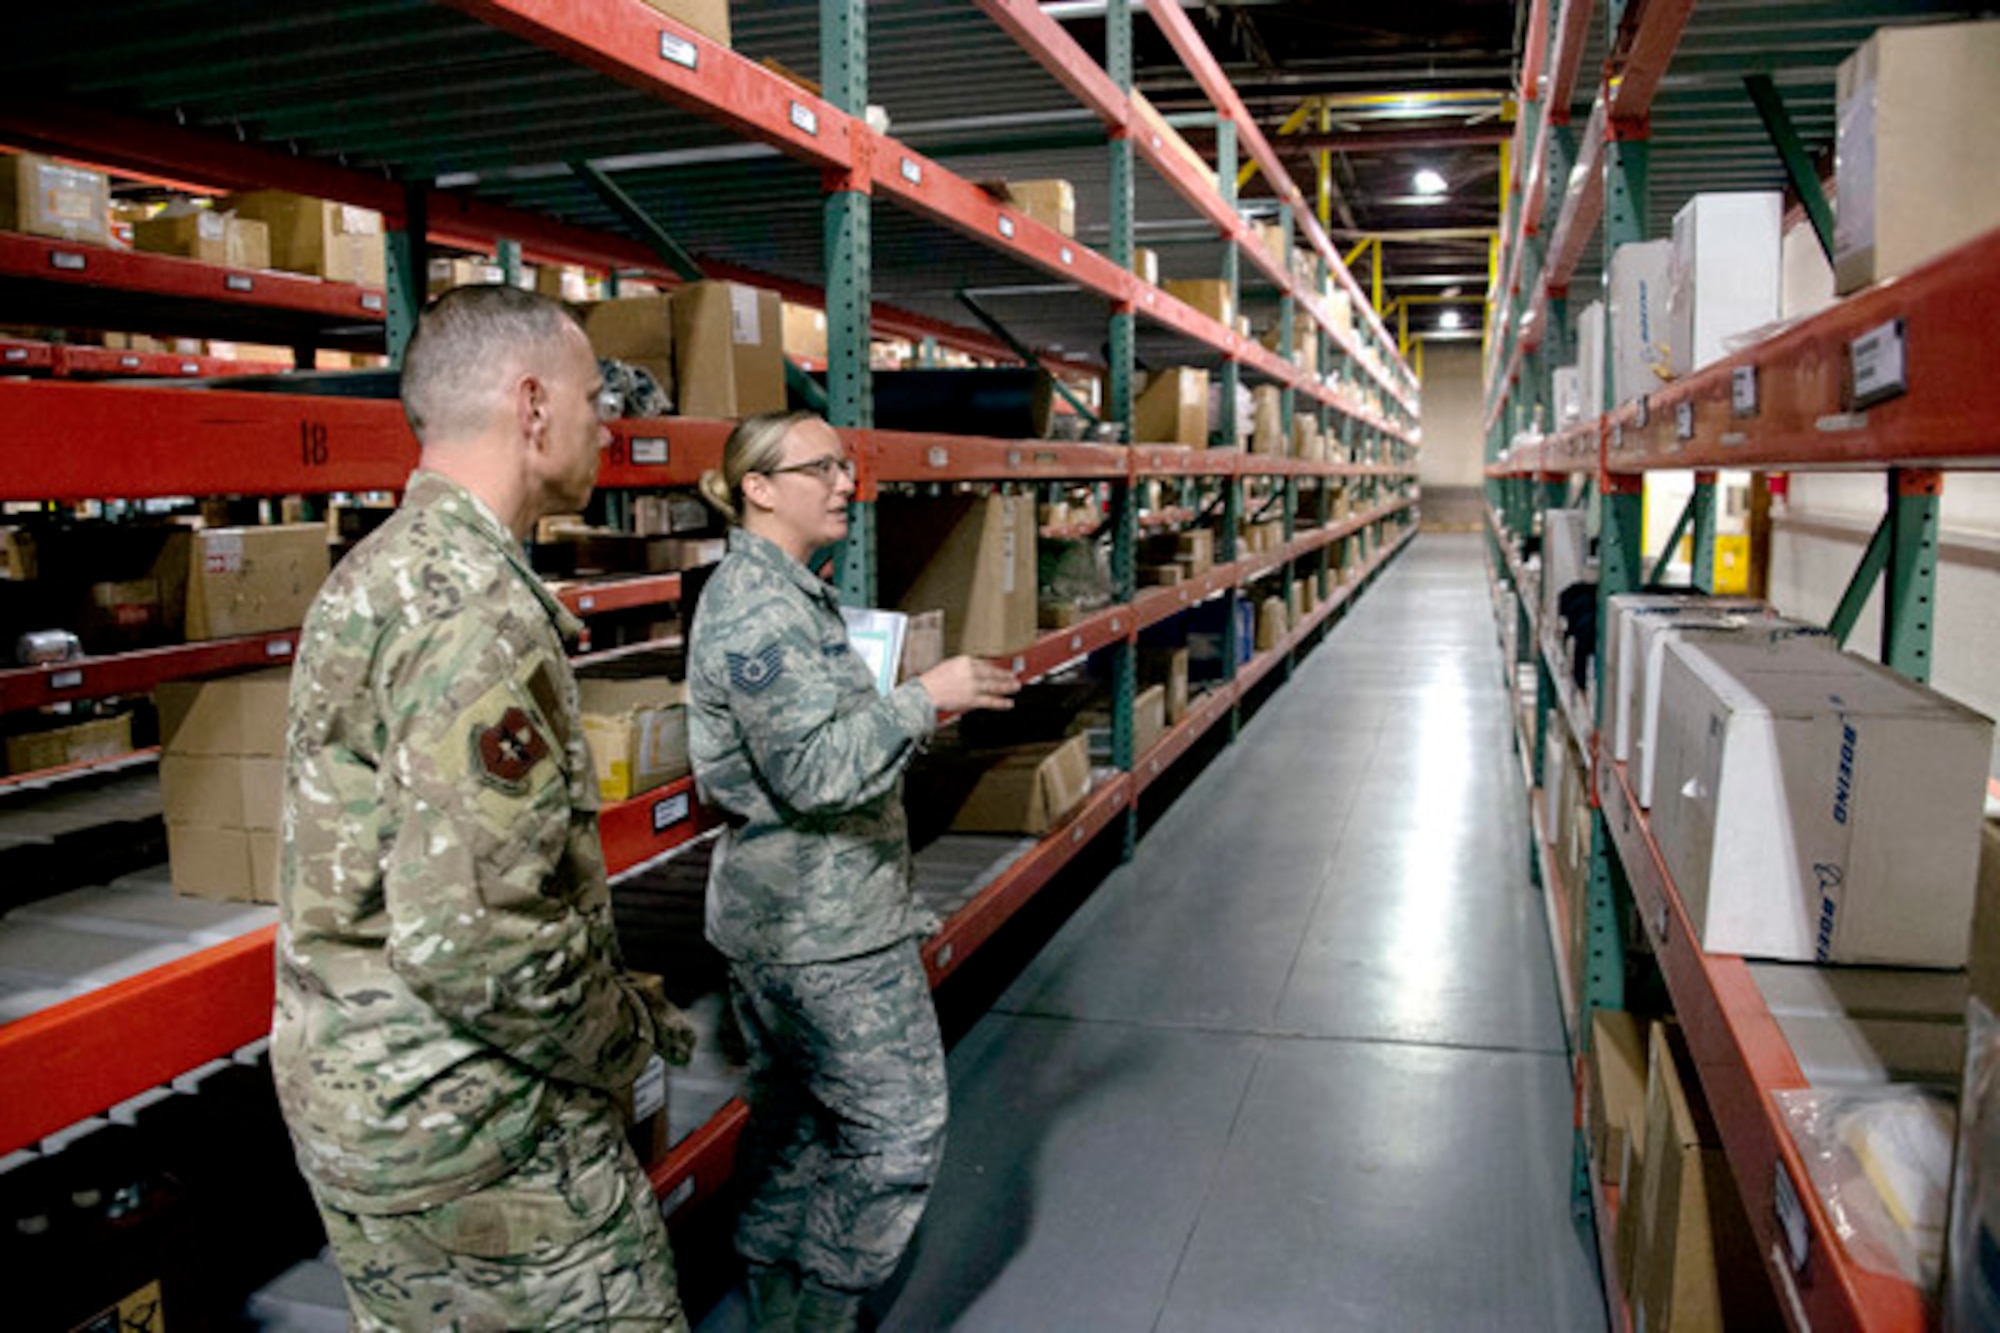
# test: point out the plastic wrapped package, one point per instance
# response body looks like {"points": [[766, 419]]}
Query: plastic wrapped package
{"points": [[1972, 1293], [1880, 1159]]}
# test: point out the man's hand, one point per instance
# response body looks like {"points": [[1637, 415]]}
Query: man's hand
{"points": [[966, 683]]}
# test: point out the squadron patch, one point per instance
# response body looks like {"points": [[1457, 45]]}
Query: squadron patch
{"points": [[753, 674], [505, 753]]}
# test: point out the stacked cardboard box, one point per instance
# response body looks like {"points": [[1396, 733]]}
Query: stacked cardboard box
{"points": [[222, 783], [1173, 409], [636, 726], [970, 556], [43, 197], [637, 330], [1723, 278], [728, 347], [253, 580], [208, 234], [1026, 789], [1210, 296], [1049, 202], [338, 242], [78, 743]]}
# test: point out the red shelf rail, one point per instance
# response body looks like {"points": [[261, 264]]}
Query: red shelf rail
{"points": [[138, 672], [79, 264]]}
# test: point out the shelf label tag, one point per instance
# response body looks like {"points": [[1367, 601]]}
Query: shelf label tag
{"points": [[1791, 1217], [1645, 410], [675, 1197], [372, 301], [190, 367], [679, 50], [68, 261], [1684, 420], [1743, 391], [803, 117], [586, 603], [669, 811], [914, 174], [1068, 255], [1007, 226], [128, 362], [1877, 361], [1617, 435], [239, 282], [17, 354], [649, 450], [937, 456], [277, 648], [65, 680]]}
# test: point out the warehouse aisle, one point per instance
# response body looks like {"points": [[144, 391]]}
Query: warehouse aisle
{"points": [[1299, 1065]]}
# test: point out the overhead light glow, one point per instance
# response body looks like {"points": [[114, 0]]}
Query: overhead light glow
{"points": [[1450, 319], [1428, 181]]}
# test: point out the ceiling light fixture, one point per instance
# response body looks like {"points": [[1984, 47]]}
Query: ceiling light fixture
{"points": [[1450, 319], [1428, 181]]}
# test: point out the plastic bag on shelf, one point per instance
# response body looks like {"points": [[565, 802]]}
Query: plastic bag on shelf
{"points": [[1972, 1296], [1880, 1158]]}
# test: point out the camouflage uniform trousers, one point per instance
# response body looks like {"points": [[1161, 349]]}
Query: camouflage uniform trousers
{"points": [[847, 1113], [571, 1239]]}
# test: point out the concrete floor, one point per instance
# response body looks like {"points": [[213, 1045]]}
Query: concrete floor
{"points": [[1299, 1064]]}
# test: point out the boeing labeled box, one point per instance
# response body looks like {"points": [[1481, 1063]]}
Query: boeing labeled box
{"points": [[1636, 321], [1727, 261], [1814, 807], [1624, 669]]}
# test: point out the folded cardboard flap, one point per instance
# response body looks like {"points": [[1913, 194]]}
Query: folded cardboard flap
{"points": [[1028, 789]]}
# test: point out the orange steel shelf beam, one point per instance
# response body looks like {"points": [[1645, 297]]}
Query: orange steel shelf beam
{"points": [[1743, 1057], [82, 265], [23, 688], [1572, 31], [1203, 712]]}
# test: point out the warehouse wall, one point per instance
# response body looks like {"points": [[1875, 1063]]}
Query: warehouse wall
{"points": [[1820, 531], [1452, 462]]}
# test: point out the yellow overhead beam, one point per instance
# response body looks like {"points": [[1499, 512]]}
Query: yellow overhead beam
{"points": [[1290, 126]]}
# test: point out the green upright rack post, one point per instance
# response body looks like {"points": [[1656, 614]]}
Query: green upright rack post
{"points": [[846, 238]]}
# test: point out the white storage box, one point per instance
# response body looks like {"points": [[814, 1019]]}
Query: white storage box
{"points": [[1590, 359], [1568, 396], [1816, 807], [1565, 557], [1624, 668], [1725, 273], [1637, 319]]}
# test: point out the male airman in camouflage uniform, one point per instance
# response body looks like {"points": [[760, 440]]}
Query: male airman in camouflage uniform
{"points": [[452, 1018], [809, 896]]}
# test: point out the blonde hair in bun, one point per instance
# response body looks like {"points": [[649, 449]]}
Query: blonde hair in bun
{"points": [[756, 445]]}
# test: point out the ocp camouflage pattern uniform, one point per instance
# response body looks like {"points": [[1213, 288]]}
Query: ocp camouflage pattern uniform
{"points": [[809, 898], [451, 1012]]}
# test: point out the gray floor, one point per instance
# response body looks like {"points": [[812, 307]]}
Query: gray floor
{"points": [[1299, 1064]]}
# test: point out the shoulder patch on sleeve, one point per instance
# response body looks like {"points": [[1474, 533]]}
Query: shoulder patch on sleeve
{"points": [[505, 751], [753, 673]]}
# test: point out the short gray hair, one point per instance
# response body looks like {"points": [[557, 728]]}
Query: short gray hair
{"points": [[466, 342]]}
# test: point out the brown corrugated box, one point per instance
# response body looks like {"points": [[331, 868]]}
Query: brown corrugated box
{"points": [[805, 332], [971, 556], [729, 358], [253, 580], [637, 731], [338, 242], [1149, 718], [1267, 432], [1208, 295], [1616, 1070], [638, 330], [1028, 790], [1272, 623], [222, 782], [1173, 409], [43, 197], [80, 742], [710, 18], [1049, 202], [211, 235], [1167, 667]]}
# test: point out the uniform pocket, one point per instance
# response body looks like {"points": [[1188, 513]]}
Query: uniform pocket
{"points": [[555, 1202]]}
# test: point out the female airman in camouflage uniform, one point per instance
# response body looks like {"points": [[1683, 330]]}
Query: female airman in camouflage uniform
{"points": [[809, 894]]}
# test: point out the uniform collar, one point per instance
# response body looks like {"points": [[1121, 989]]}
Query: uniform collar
{"points": [[454, 503], [764, 552]]}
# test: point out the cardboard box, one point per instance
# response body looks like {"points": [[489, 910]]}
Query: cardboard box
{"points": [[1028, 790], [1149, 718], [1805, 280], [1785, 810], [1267, 430], [1565, 556], [242, 715], [563, 282], [644, 1102], [1173, 409], [923, 643], [1916, 170], [1624, 670], [971, 556], [1568, 394], [710, 18], [253, 580], [18, 563], [1983, 967], [446, 273], [638, 330], [1273, 623], [211, 235], [1590, 360], [1616, 1068], [222, 791], [1146, 263], [805, 333], [235, 865], [1049, 202], [637, 732], [1196, 548], [1724, 278], [729, 358], [78, 743], [1696, 1268], [43, 197], [338, 242], [1208, 295], [1636, 319], [1167, 667]]}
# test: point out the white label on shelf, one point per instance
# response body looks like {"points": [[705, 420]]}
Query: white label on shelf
{"points": [[679, 50], [1660, 926], [1007, 226], [129, 362], [1617, 435], [945, 954], [1743, 391], [1684, 420], [65, 680], [17, 354], [1877, 359], [649, 1091], [67, 260], [239, 282], [1791, 1217], [1733, 439], [1020, 665], [1068, 255], [586, 603], [190, 367], [1839, 422], [676, 1196], [1117, 625], [277, 648], [803, 117], [1645, 411], [650, 450], [223, 553], [1076, 643], [937, 456], [914, 174], [1013, 458], [669, 811], [371, 301]]}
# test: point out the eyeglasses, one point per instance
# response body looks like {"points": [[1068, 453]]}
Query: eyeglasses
{"points": [[820, 469]]}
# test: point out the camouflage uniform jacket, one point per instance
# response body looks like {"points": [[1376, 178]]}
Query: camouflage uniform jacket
{"points": [[790, 738], [447, 971]]}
